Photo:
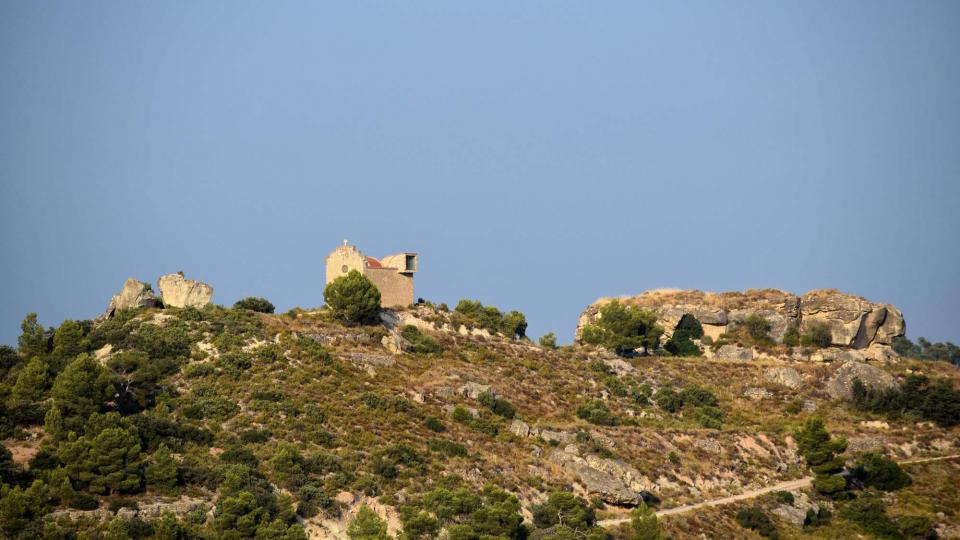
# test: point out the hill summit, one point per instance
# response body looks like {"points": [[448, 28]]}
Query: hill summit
{"points": [[203, 421]]}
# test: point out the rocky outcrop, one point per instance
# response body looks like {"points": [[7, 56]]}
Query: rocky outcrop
{"points": [[784, 376], [853, 321], [840, 385], [614, 481], [134, 294], [180, 292]]}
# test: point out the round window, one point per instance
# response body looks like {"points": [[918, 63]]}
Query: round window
{"points": [[344, 269]]}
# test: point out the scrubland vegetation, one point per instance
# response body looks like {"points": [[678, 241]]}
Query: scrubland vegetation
{"points": [[259, 421]]}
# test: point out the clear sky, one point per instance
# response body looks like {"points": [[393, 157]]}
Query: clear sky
{"points": [[537, 155]]}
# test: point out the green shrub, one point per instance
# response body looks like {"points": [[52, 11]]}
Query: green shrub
{"points": [[818, 334], [880, 472], [758, 328], [353, 298], [644, 524], [936, 401], [253, 303], [791, 337], [698, 396], [419, 343], [548, 341], [668, 399], [869, 512], [596, 412], [194, 371], [512, 324], [367, 525], [434, 424], [681, 342], [565, 508], [755, 519], [448, 448], [623, 329], [497, 405]]}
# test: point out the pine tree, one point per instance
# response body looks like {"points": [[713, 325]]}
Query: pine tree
{"points": [[367, 525], [162, 472], [643, 524], [80, 390], [31, 381], [353, 298], [32, 341]]}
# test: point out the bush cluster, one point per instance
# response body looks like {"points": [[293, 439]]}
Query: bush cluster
{"points": [[681, 342], [623, 329], [918, 396], [702, 402], [418, 342], [512, 324]]}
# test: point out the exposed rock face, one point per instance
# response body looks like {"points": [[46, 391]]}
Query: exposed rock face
{"points": [[178, 291], [134, 294], [783, 376], [853, 321], [840, 385], [614, 481]]}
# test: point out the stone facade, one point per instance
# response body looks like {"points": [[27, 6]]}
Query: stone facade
{"points": [[393, 274]]}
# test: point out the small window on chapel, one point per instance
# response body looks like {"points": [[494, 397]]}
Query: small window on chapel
{"points": [[344, 269]]}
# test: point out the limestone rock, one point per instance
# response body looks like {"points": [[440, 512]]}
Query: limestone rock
{"points": [[840, 385], [134, 294], [757, 394], [473, 390], [853, 321], [519, 428], [733, 352], [784, 376], [709, 445], [791, 514], [180, 292], [606, 478]]}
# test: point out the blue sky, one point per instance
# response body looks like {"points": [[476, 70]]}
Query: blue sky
{"points": [[537, 155]]}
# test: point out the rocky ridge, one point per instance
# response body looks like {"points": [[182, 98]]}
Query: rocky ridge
{"points": [[854, 322]]}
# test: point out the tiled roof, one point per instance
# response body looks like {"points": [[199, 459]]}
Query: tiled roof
{"points": [[373, 263]]}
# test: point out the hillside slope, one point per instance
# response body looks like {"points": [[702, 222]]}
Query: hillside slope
{"points": [[260, 416]]}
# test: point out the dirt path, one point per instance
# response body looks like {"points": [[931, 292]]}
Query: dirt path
{"points": [[753, 493]]}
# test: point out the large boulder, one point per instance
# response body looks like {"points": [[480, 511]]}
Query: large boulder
{"points": [[853, 321], [134, 294], [840, 385], [614, 481], [180, 292]]}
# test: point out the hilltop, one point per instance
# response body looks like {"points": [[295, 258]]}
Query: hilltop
{"points": [[205, 421]]}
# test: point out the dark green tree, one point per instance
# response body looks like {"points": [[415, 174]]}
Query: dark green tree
{"points": [[68, 342], [367, 525], [353, 298], [32, 381], [33, 339], [623, 329], [105, 460], [564, 508], [881, 472], [821, 452], [161, 473], [253, 303], [80, 390], [644, 524], [514, 325]]}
